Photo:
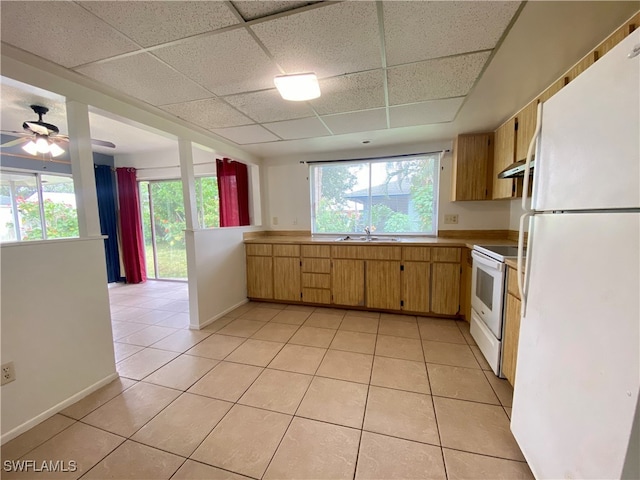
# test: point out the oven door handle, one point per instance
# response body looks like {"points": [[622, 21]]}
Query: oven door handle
{"points": [[481, 259]]}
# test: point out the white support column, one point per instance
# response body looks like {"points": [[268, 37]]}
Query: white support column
{"points": [[84, 180], [188, 183], [185, 151]]}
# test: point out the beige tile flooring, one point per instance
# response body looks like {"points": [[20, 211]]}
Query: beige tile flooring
{"points": [[282, 391]]}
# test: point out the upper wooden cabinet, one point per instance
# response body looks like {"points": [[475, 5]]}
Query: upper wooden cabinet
{"points": [[472, 167], [504, 154], [526, 128]]}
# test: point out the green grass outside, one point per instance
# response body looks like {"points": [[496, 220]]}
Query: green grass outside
{"points": [[172, 261]]}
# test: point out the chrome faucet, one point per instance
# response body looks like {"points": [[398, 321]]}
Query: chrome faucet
{"points": [[367, 231]]}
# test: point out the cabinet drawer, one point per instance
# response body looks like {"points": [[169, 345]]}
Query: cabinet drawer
{"points": [[286, 250], [316, 265], [318, 251], [416, 254], [367, 252], [442, 254], [316, 280], [316, 295], [512, 283], [259, 249]]}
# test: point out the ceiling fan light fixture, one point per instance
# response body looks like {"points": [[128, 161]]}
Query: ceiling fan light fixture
{"points": [[42, 145], [298, 87], [30, 148], [55, 150]]}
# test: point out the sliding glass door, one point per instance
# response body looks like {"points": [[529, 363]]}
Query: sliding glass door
{"points": [[163, 222]]}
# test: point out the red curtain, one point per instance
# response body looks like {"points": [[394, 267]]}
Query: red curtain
{"points": [[131, 226], [233, 188]]}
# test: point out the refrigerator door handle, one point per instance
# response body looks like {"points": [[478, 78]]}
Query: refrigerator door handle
{"points": [[532, 146], [522, 285]]}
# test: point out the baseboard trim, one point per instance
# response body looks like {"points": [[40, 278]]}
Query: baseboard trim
{"points": [[220, 315], [20, 429]]}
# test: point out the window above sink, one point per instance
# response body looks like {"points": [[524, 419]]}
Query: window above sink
{"points": [[394, 195]]}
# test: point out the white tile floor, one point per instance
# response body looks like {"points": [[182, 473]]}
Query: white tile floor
{"points": [[282, 391]]}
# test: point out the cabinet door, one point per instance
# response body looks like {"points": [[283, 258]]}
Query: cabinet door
{"points": [[348, 282], [286, 278], [526, 128], [383, 284], [503, 156], [445, 288], [259, 277], [472, 167], [416, 279], [510, 338]]}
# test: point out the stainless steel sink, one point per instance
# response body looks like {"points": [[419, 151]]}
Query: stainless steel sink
{"points": [[349, 238]]}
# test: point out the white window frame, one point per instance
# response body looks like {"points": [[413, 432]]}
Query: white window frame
{"points": [[436, 190]]}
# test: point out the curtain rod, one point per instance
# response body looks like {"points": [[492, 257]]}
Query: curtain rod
{"points": [[174, 166], [374, 158]]}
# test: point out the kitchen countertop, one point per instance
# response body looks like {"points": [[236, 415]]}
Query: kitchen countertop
{"points": [[404, 241]]}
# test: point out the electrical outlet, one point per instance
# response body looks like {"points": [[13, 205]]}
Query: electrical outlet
{"points": [[275, 221], [295, 221], [8, 373], [451, 219]]}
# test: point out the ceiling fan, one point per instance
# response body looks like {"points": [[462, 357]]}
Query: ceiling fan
{"points": [[42, 137]]}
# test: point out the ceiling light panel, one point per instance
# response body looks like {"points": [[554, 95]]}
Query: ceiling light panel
{"points": [[210, 113], [225, 63], [332, 40], [67, 44], [251, 10], [247, 134], [425, 113], [353, 122], [416, 31], [433, 79], [152, 23], [347, 93], [295, 129], [269, 106], [146, 78]]}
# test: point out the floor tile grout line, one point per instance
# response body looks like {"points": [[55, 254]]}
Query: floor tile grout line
{"points": [[42, 443]]}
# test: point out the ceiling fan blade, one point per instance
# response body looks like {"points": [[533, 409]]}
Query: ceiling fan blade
{"points": [[103, 143], [16, 134], [39, 129], [17, 141]]}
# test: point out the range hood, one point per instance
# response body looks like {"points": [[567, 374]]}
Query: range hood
{"points": [[515, 170]]}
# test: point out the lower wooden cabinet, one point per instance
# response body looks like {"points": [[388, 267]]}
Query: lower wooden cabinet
{"points": [[445, 288], [347, 277], [416, 281], [286, 278], [510, 338], [383, 284], [260, 277]]}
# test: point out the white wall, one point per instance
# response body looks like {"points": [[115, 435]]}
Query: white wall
{"points": [[288, 196], [56, 327], [515, 213], [220, 273]]}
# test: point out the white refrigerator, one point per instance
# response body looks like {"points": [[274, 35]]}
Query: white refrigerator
{"points": [[575, 406]]}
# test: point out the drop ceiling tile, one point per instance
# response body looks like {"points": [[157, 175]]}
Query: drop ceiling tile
{"points": [[425, 113], [348, 93], [146, 78], [433, 79], [416, 31], [151, 23], [294, 129], [269, 106], [332, 40], [247, 134], [226, 63], [357, 121], [252, 9], [68, 34], [209, 113]]}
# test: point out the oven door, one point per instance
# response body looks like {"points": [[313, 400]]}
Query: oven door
{"points": [[487, 288]]}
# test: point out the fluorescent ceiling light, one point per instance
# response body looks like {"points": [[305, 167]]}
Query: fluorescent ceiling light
{"points": [[298, 87], [42, 145]]}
